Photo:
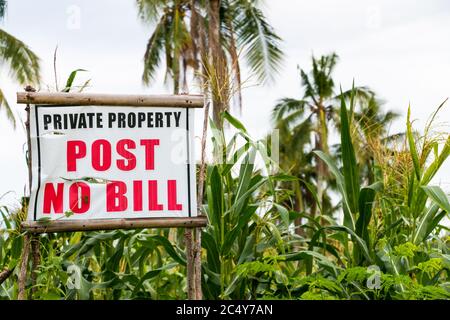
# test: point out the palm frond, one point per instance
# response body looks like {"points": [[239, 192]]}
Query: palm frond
{"points": [[322, 74], [390, 116], [310, 91], [150, 10], [263, 53], [2, 9], [155, 46], [393, 138], [22, 62], [361, 93], [286, 106], [9, 112]]}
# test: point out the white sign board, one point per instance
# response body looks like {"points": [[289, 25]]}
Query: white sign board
{"points": [[100, 162]]}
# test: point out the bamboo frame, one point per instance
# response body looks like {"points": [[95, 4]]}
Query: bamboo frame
{"points": [[22, 278], [111, 224], [192, 225], [84, 99]]}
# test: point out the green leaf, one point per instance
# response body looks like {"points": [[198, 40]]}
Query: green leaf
{"points": [[307, 254], [212, 253], [284, 177], [5, 220], [151, 274], [16, 247], [423, 225], [169, 249], [412, 145], [247, 252], [350, 167], [257, 182], [245, 175], [244, 219], [234, 122], [438, 196], [71, 78], [430, 217], [366, 198], [437, 163], [348, 217], [215, 198], [359, 241], [284, 214]]}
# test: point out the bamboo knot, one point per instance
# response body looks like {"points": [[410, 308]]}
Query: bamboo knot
{"points": [[30, 89]]}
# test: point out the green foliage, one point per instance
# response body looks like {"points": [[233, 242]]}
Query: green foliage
{"points": [[11, 243], [391, 244]]}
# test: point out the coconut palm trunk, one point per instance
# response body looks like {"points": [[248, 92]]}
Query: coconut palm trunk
{"points": [[322, 145], [218, 63]]}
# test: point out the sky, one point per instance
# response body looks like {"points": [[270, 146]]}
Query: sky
{"points": [[399, 48]]}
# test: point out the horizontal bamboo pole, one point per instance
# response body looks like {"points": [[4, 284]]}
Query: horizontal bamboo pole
{"points": [[111, 224], [84, 99]]}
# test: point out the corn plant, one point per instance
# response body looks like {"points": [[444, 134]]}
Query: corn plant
{"points": [[240, 207], [11, 243], [401, 247]]}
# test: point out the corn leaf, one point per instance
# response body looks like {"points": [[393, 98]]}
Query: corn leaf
{"points": [[412, 145], [350, 167], [366, 198]]}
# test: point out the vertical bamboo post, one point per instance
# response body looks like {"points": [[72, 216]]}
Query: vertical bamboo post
{"points": [[198, 231], [36, 260], [23, 268], [190, 271], [198, 263], [34, 241], [193, 236]]}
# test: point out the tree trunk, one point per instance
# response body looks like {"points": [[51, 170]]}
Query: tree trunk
{"points": [[36, 260], [23, 268], [217, 72], [322, 145]]}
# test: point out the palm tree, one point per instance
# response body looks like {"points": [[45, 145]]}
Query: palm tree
{"points": [[208, 37], [317, 106], [22, 63]]}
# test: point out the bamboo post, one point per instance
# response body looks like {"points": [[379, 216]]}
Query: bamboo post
{"points": [[201, 175], [198, 231], [36, 260], [26, 246], [23, 268], [198, 263], [190, 272], [35, 241], [193, 235]]}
